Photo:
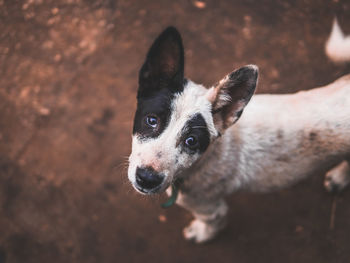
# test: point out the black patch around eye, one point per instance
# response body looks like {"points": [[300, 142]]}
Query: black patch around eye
{"points": [[196, 127], [159, 106]]}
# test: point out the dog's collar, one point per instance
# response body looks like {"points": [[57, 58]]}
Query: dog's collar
{"points": [[174, 193]]}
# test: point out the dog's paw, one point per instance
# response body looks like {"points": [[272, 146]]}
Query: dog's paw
{"points": [[199, 232], [337, 178]]}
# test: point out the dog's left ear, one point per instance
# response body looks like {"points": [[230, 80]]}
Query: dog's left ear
{"points": [[231, 95], [164, 65]]}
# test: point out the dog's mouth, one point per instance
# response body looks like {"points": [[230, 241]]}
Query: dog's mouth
{"points": [[156, 190]]}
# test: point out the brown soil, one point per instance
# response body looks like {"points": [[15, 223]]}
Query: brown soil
{"points": [[68, 78]]}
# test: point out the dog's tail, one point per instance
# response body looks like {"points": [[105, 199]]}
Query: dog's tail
{"points": [[338, 46]]}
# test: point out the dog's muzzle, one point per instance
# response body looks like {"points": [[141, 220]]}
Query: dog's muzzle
{"points": [[148, 180]]}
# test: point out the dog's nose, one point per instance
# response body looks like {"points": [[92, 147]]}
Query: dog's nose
{"points": [[147, 178]]}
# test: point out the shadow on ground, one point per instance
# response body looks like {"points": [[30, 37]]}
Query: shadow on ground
{"points": [[67, 94]]}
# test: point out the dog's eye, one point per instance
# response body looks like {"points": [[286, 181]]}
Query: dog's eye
{"points": [[152, 121], [191, 142]]}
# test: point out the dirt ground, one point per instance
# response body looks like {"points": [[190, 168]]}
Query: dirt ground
{"points": [[68, 80]]}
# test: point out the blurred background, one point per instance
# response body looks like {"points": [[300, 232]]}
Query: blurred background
{"points": [[68, 81]]}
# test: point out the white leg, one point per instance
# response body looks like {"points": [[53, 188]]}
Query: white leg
{"points": [[338, 178], [209, 220]]}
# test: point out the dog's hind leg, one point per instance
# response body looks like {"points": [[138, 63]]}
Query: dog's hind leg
{"points": [[210, 218], [338, 178]]}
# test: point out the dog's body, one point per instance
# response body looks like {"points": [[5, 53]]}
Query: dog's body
{"points": [[278, 140]]}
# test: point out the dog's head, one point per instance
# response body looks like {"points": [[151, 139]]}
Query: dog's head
{"points": [[176, 120]]}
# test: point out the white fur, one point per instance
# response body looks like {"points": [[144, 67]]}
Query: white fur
{"points": [[265, 161], [338, 45], [338, 178]]}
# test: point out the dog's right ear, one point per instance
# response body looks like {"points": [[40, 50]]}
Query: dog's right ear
{"points": [[230, 96], [164, 65]]}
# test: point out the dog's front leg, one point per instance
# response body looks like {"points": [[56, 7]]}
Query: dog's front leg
{"points": [[210, 218]]}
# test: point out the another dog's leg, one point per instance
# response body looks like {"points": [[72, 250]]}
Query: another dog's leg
{"points": [[338, 178], [210, 218]]}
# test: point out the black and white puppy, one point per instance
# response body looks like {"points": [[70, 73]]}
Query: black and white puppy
{"points": [[185, 131]]}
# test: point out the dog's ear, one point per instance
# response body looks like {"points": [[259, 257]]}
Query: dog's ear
{"points": [[164, 65], [231, 95]]}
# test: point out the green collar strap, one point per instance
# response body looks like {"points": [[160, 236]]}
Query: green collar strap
{"points": [[174, 193]]}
